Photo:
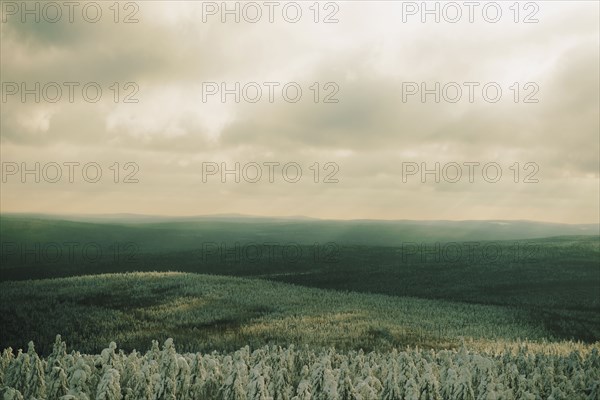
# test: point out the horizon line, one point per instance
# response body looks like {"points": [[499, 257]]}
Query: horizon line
{"points": [[282, 217]]}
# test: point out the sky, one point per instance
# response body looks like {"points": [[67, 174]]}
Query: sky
{"points": [[346, 125]]}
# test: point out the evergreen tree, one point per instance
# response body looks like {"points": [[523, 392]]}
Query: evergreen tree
{"points": [[109, 387], [79, 380], [257, 389], [169, 368], [18, 372], [6, 359], [36, 380], [323, 382], [391, 386], [57, 381], [346, 389], [463, 389], [430, 386], [59, 352], [304, 390], [369, 387], [140, 385], [9, 393], [282, 384], [412, 390], [183, 379], [236, 382]]}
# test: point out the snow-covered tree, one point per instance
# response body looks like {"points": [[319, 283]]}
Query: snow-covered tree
{"points": [[140, 385], [169, 368], [273, 373], [79, 380], [323, 381], [391, 385], [9, 393], [57, 381], [370, 386], [182, 378], [59, 352], [109, 387], [6, 358], [304, 389], [236, 381], [18, 372], [346, 388], [281, 385], [430, 386], [463, 389], [257, 388], [36, 380]]}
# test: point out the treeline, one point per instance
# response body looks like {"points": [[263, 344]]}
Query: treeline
{"points": [[276, 373]]}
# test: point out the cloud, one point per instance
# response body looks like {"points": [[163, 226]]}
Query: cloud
{"points": [[362, 61]]}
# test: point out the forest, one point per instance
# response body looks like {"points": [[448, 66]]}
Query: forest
{"points": [[391, 319]]}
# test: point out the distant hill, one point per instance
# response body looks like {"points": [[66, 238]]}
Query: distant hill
{"points": [[548, 270], [128, 218], [156, 232]]}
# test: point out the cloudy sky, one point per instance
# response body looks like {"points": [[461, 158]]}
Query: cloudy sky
{"points": [[369, 142]]}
